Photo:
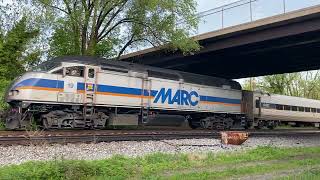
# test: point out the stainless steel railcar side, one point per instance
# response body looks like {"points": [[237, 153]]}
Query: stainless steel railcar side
{"points": [[271, 109]]}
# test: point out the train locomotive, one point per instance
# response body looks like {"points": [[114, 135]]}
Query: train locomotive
{"points": [[87, 92]]}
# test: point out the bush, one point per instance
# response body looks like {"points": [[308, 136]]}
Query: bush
{"points": [[2, 125], [3, 86]]}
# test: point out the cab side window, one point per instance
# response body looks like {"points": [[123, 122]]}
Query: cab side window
{"points": [[77, 71], [91, 73]]}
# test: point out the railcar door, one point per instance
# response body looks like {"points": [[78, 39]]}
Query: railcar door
{"points": [[258, 105]]}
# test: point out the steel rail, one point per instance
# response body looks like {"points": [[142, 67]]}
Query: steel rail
{"points": [[107, 136]]}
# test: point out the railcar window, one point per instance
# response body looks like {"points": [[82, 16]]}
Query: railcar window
{"points": [[91, 73], [258, 104], [77, 71], [301, 109], [313, 110], [268, 106], [294, 108], [273, 106], [287, 108], [279, 107], [265, 105], [308, 109], [318, 110]]}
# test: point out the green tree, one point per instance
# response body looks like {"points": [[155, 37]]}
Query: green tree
{"points": [[14, 55], [302, 84], [249, 84], [308, 85], [278, 84], [108, 28]]}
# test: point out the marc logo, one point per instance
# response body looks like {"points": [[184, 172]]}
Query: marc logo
{"points": [[180, 97]]}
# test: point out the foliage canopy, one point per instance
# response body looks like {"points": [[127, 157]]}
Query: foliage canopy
{"points": [[15, 56], [109, 28], [303, 84]]}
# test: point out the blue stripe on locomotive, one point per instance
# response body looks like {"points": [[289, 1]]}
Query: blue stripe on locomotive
{"points": [[119, 90], [220, 100], [47, 83]]}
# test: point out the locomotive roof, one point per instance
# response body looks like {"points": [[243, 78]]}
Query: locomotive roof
{"points": [[187, 77]]}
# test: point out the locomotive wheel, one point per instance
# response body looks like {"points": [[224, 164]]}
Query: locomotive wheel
{"points": [[217, 123], [246, 127], [12, 123], [260, 125], [45, 123], [192, 125], [273, 124], [13, 120], [257, 127]]}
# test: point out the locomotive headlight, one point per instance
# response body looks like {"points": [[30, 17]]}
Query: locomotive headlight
{"points": [[10, 93], [13, 92]]}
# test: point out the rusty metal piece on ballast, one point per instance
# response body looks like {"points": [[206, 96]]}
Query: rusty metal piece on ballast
{"points": [[234, 137]]}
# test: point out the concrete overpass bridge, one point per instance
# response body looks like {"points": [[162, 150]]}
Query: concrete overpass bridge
{"points": [[284, 43]]}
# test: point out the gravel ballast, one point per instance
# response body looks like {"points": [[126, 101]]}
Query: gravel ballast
{"points": [[20, 154]]}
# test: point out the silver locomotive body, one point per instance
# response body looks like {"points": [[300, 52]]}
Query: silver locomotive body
{"points": [[84, 92]]}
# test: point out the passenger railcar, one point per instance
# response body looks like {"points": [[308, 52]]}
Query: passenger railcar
{"points": [[86, 92], [270, 110]]}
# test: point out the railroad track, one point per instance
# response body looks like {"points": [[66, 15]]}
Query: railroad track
{"points": [[48, 137]]}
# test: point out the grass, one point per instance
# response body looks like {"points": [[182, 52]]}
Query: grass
{"points": [[263, 160], [245, 171], [311, 174]]}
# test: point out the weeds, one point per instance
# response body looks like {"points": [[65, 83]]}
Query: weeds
{"points": [[2, 125]]}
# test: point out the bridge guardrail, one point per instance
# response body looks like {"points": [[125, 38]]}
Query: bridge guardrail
{"points": [[244, 11]]}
